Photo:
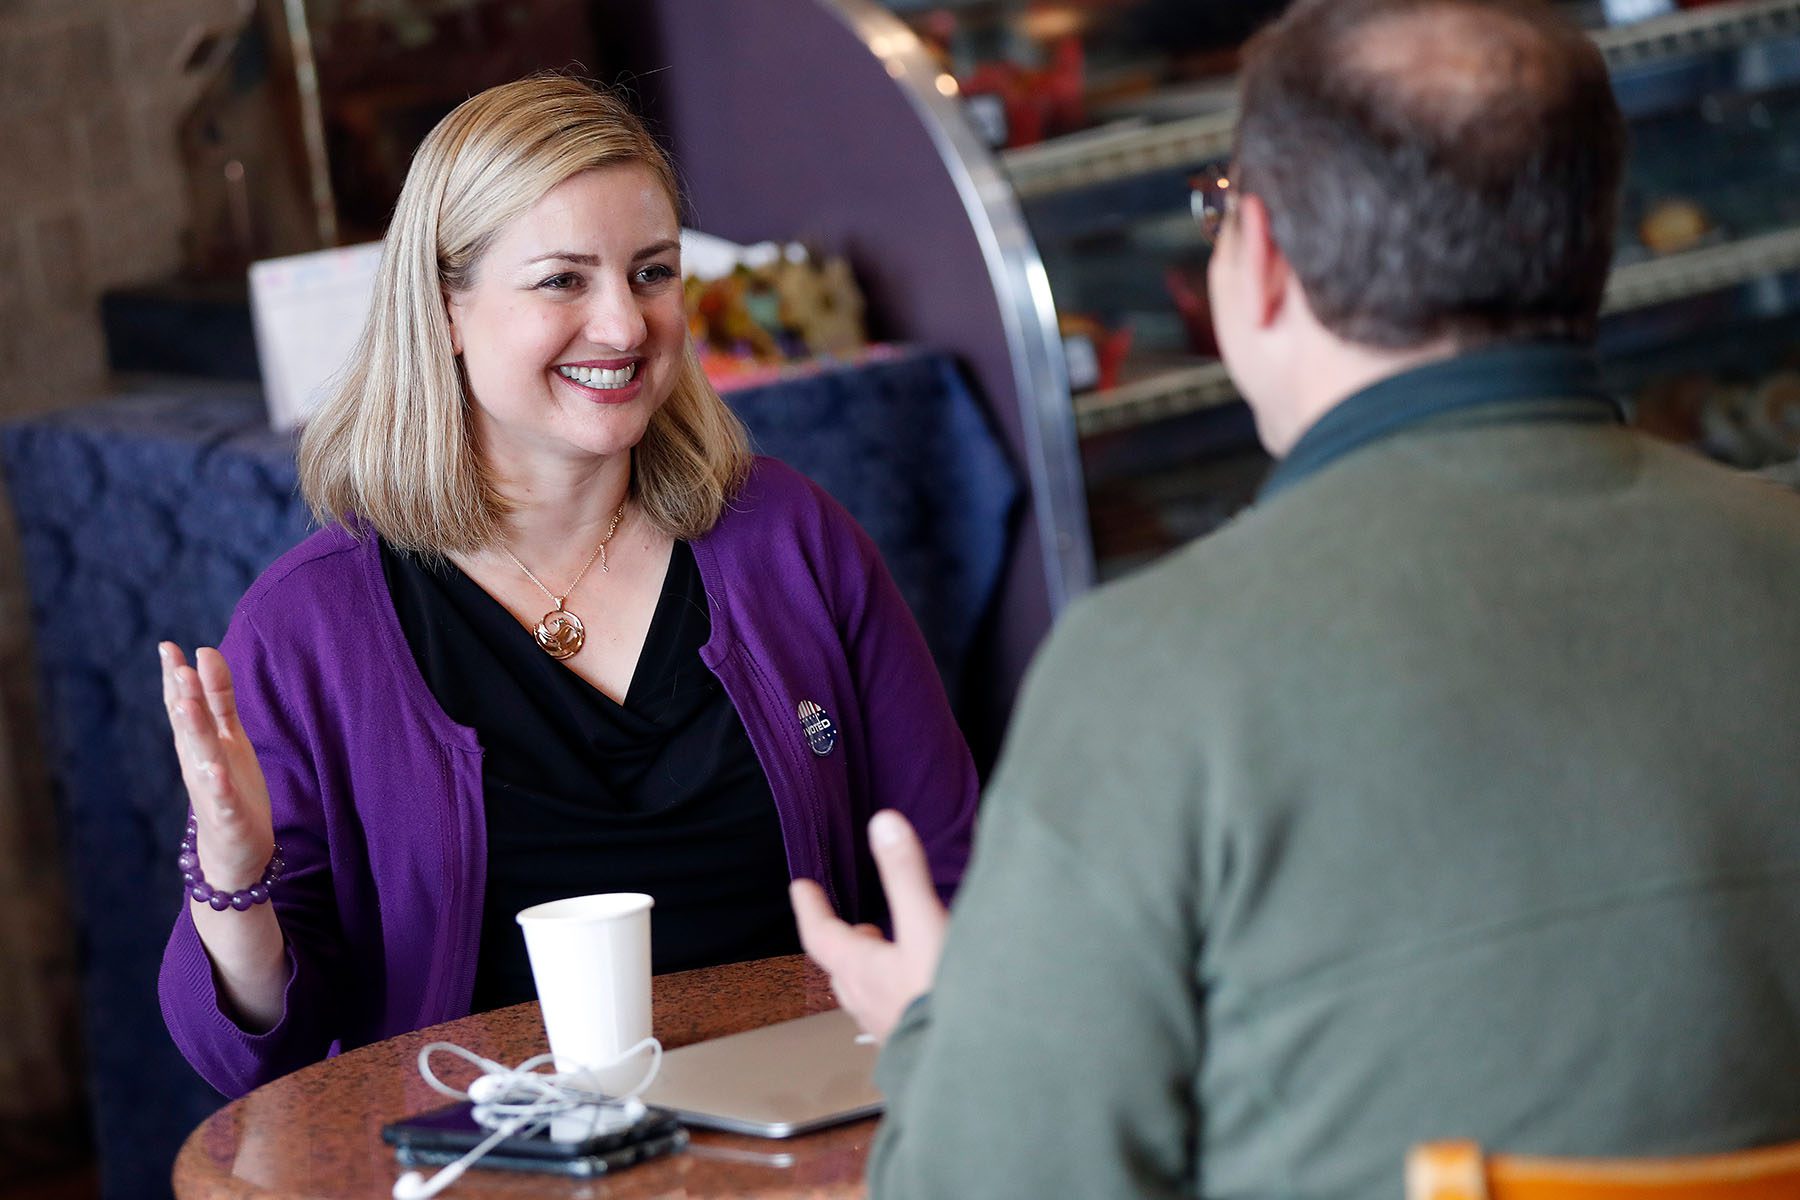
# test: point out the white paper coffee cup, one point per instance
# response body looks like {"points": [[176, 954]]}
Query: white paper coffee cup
{"points": [[590, 957]]}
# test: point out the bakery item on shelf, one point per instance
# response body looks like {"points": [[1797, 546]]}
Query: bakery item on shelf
{"points": [[1674, 225]]}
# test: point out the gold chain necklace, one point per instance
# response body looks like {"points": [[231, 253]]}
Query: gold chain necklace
{"points": [[559, 632]]}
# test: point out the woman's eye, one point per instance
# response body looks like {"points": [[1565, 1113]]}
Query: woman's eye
{"points": [[561, 283], [656, 273]]}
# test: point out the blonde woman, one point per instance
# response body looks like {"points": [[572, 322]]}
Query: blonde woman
{"points": [[560, 633]]}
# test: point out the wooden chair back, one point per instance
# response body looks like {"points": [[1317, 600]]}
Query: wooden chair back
{"points": [[1461, 1171]]}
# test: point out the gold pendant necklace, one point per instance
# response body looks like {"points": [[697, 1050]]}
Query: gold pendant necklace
{"points": [[559, 632]]}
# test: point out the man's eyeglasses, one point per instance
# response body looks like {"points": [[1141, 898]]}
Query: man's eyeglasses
{"points": [[1211, 194]]}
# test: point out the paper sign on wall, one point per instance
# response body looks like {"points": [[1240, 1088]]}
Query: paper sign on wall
{"points": [[308, 311]]}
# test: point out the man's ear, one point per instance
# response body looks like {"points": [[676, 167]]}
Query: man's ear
{"points": [[1268, 279], [450, 313]]}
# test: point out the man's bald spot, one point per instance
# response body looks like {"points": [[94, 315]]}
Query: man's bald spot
{"points": [[1455, 64]]}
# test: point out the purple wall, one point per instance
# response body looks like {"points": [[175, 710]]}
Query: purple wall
{"points": [[784, 125]]}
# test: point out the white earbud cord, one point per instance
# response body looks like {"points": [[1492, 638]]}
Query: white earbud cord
{"points": [[522, 1100]]}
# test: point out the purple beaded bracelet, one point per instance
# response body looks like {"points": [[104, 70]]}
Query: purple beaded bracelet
{"points": [[206, 893]]}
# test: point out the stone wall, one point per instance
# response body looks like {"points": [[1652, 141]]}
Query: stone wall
{"points": [[91, 196]]}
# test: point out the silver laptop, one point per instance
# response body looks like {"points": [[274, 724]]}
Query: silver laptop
{"points": [[776, 1081]]}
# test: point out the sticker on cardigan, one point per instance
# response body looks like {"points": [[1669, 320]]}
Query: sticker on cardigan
{"points": [[821, 734]]}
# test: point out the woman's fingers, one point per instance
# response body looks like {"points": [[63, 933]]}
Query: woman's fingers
{"points": [[224, 783], [221, 703], [170, 656], [215, 684], [203, 712], [206, 766], [207, 682], [180, 719]]}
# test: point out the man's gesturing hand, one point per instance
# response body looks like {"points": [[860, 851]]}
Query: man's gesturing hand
{"points": [[873, 978]]}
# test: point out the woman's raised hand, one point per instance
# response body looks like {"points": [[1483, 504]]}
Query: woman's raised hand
{"points": [[225, 785]]}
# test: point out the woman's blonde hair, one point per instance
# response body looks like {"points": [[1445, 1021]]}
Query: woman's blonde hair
{"points": [[392, 447]]}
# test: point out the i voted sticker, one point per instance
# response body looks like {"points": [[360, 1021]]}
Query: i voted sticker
{"points": [[821, 734]]}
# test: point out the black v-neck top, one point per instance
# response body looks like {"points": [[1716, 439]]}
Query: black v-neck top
{"points": [[662, 794]]}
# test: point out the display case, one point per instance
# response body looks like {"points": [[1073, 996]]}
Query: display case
{"points": [[1098, 112], [1009, 180]]}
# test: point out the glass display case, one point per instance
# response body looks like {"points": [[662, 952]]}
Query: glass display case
{"points": [[1100, 110], [1009, 180]]}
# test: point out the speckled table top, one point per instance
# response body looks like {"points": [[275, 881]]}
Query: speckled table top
{"points": [[316, 1134]]}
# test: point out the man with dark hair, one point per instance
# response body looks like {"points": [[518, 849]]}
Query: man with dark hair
{"points": [[1448, 792], [1436, 171]]}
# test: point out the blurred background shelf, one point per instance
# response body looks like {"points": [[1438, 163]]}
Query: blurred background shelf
{"points": [[1696, 272], [1084, 160], [1697, 31], [1124, 150], [1169, 393], [1176, 391], [1106, 108]]}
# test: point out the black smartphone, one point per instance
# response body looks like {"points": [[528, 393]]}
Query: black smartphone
{"points": [[444, 1135]]}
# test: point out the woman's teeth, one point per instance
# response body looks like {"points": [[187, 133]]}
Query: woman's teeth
{"points": [[600, 377]]}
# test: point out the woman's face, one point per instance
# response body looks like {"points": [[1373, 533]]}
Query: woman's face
{"points": [[573, 330]]}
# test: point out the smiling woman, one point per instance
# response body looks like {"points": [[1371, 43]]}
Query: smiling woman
{"points": [[501, 205], [559, 634], [572, 332]]}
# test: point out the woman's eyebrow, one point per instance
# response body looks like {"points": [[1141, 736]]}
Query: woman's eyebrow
{"points": [[582, 260], [591, 260]]}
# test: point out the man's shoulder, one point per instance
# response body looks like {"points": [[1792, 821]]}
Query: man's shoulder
{"points": [[1184, 607], [1202, 581], [1775, 492]]}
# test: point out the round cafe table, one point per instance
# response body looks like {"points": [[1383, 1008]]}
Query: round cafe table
{"points": [[316, 1134]]}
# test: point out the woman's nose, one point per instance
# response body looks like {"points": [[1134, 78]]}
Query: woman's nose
{"points": [[615, 320]]}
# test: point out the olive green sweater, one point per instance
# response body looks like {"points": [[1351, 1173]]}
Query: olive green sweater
{"points": [[1454, 790]]}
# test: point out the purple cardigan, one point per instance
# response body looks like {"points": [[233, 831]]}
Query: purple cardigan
{"points": [[377, 794]]}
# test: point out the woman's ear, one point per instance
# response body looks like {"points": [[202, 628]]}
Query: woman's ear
{"points": [[450, 312]]}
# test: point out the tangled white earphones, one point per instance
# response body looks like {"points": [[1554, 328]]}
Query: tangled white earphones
{"points": [[523, 1099]]}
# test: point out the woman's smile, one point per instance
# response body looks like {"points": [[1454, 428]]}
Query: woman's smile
{"points": [[612, 382]]}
